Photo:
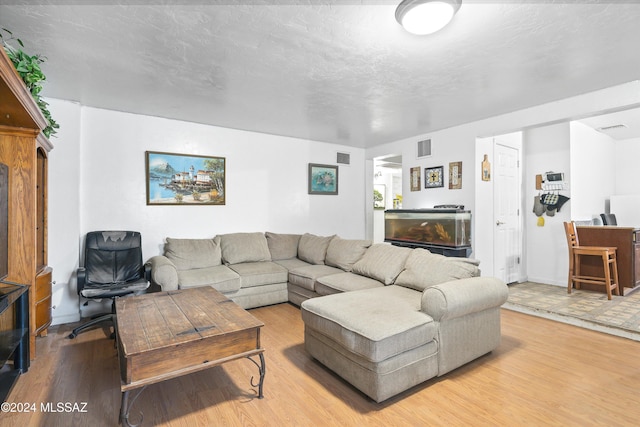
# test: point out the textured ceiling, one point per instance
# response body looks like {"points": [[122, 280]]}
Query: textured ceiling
{"points": [[335, 71]]}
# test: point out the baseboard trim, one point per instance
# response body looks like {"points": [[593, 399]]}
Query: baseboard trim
{"points": [[65, 318]]}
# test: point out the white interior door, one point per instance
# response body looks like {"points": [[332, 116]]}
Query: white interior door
{"points": [[507, 201]]}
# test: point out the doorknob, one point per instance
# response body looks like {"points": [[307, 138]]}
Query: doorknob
{"points": [[499, 223]]}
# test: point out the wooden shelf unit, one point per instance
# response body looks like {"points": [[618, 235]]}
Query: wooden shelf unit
{"points": [[14, 335], [24, 149]]}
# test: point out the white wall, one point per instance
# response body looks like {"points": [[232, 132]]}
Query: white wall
{"points": [[468, 143], [546, 149], [482, 216], [593, 171], [102, 180], [627, 160], [625, 201], [64, 209]]}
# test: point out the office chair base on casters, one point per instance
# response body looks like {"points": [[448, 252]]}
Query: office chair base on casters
{"points": [[107, 317]]}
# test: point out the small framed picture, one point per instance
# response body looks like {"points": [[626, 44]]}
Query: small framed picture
{"points": [[323, 179], [433, 177], [415, 179], [455, 175]]}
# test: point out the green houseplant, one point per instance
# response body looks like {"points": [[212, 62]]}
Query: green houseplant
{"points": [[28, 67]]}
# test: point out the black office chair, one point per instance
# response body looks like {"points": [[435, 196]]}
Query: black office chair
{"points": [[608, 219], [113, 268]]}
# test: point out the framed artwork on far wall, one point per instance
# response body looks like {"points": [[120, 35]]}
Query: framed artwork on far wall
{"points": [[433, 177], [323, 179], [415, 179], [455, 175], [185, 179]]}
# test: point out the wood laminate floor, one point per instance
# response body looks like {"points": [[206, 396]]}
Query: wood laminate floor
{"points": [[543, 374]]}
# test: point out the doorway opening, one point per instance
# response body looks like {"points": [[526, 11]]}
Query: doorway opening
{"points": [[387, 190]]}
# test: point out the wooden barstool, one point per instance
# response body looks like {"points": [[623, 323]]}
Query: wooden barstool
{"points": [[609, 263]]}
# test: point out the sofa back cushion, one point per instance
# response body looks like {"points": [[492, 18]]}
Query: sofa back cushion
{"points": [[187, 254], [424, 269], [312, 248], [244, 247], [282, 246], [343, 253], [382, 262]]}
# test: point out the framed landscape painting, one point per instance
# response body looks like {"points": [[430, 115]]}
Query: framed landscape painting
{"points": [[323, 179], [185, 179]]}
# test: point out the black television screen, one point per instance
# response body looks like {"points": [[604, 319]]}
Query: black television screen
{"points": [[4, 221]]}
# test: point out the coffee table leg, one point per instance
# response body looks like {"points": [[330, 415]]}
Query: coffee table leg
{"points": [[125, 407], [261, 369]]}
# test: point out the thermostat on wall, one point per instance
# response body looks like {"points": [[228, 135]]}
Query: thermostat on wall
{"points": [[554, 177]]}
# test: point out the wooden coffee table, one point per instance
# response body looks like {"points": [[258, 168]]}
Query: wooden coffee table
{"points": [[169, 334]]}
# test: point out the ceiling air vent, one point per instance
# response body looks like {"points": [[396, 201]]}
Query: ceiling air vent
{"points": [[344, 158], [424, 148], [612, 127]]}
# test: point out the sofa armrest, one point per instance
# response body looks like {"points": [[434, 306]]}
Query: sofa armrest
{"points": [[458, 298], [468, 315], [164, 273]]}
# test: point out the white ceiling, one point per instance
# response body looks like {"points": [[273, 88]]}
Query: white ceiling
{"points": [[335, 71]]}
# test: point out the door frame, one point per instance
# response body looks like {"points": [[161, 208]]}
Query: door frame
{"points": [[513, 141]]}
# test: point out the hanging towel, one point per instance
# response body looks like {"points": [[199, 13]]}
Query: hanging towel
{"points": [[538, 207]]}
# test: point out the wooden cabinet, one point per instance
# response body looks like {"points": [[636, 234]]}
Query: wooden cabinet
{"points": [[627, 242], [14, 335], [42, 302], [24, 149]]}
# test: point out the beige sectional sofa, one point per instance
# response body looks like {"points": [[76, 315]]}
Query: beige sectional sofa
{"points": [[389, 317]]}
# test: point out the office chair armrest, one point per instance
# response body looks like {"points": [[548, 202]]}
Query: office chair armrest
{"points": [[81, 278], [147, 271]]}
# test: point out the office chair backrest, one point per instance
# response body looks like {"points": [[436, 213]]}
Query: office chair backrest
{"points": [[113, 257], [608, 219]]}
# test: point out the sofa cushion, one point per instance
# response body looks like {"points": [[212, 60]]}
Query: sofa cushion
{"points": [[343, 253], [312, 248], [382, 262], [259, 273], [244, 247], [220, 277], [344, 282], [282, 246], [306, 277], [187, 254], [398, 324], [291, 264], [424, 269]]}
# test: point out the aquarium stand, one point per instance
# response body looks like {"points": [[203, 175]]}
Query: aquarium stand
{"points": [[461, 252]]}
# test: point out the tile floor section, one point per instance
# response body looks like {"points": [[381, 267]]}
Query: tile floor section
{"points": [[589, 309]]}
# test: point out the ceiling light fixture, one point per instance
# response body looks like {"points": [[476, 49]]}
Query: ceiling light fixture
{"points": [[423, 17]]}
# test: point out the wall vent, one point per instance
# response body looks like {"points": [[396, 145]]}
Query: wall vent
{"points": [[344, 158], [612, 127], [424, 148]]}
